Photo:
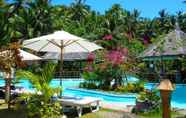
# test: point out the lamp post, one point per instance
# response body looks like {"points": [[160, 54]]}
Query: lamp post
{"points": [[166, 89]]}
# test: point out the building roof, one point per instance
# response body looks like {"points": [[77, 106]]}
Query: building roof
{"points": [[173, 44]]}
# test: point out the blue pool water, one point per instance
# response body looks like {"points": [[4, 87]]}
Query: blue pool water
{"points": [[127, 99], [178, 96]]}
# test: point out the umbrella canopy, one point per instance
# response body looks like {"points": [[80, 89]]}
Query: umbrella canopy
{"points": [[171, 46], [25, 55], [28, 56], [52, 42], [66, 57]]}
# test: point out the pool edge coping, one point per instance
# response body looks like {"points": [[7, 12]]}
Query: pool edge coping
{"points": [[131, 95]]}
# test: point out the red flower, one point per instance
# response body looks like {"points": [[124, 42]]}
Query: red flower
{"points": [[145, 42], [146, 39], [124, 51], [88, 68], [108, 37], [115, 57], [91, 57]]}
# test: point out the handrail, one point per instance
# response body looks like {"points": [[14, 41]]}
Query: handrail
{"points": [[68, 74]]}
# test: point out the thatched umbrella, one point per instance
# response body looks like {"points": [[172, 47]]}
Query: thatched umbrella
{"points": [[172, 46]]}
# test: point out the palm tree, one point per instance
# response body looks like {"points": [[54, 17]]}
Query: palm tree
{"points": [[8, 60], [78, 10], [41, 81], [2, 3], [42, 105], [164, 22], [180, 16], [113, 17], [131, 24], [40, 12], [6, 31], [31, 18]]}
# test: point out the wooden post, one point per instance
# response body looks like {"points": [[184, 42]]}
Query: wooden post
{"points": [[165, 96], [61, 66], [166, 88]]}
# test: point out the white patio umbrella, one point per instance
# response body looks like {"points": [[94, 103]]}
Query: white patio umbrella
{"points": [[53, 43], [7, 55], [61, 42], [66, 56], [28, 56], [25, 55]]}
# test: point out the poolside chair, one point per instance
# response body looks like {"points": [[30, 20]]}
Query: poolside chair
{"points": [[80, 102]]}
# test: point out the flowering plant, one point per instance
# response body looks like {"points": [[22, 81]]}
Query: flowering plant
{"points": [[114, 62], [108, 70], [108, 37]]}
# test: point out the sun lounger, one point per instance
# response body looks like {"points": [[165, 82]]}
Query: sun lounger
{"points": [[80, 102]]}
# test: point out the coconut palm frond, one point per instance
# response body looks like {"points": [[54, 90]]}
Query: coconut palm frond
{"points": [[47, 73], [34, 79]]}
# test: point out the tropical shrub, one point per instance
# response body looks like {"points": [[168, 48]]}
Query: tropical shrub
{"points": [[36, 107], [122, 89], [149, 95], [41, 104], [88, 85], [148, 101], [131, 88], [140, 86], [90, 76]]}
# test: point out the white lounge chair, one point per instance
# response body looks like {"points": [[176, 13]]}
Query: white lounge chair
{"points": [[80, 102]]}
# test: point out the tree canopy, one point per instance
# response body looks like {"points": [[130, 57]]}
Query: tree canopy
{"points": [[22, 19]]}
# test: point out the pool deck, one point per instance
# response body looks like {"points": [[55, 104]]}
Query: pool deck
{"points": [[116, 106], [180, 111]]}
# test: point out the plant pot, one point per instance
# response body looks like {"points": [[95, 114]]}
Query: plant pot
{"points": [[142, 105]]}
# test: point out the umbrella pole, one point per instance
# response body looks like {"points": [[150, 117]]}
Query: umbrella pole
{"points": [[61, 67], [162, 73]]}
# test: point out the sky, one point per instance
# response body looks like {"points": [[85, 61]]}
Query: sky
{"points": [[147, 8]]}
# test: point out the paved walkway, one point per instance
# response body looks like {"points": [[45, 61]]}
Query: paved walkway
{"points": [[182, 113], [104, 114], [117, 106]]}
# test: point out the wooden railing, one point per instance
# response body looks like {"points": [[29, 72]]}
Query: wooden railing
{"points": [[68, 74]]}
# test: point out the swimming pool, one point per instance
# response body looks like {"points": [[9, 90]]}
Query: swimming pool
{"points": [[128, 99], [178, 96]]}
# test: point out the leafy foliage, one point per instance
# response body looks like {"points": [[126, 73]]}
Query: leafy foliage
{"points": [[148, 102], [22, 19], [131, 87], [41, 104]]}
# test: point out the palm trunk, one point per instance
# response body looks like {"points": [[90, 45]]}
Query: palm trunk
{"points": [[125, 77], [7, 88]]}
